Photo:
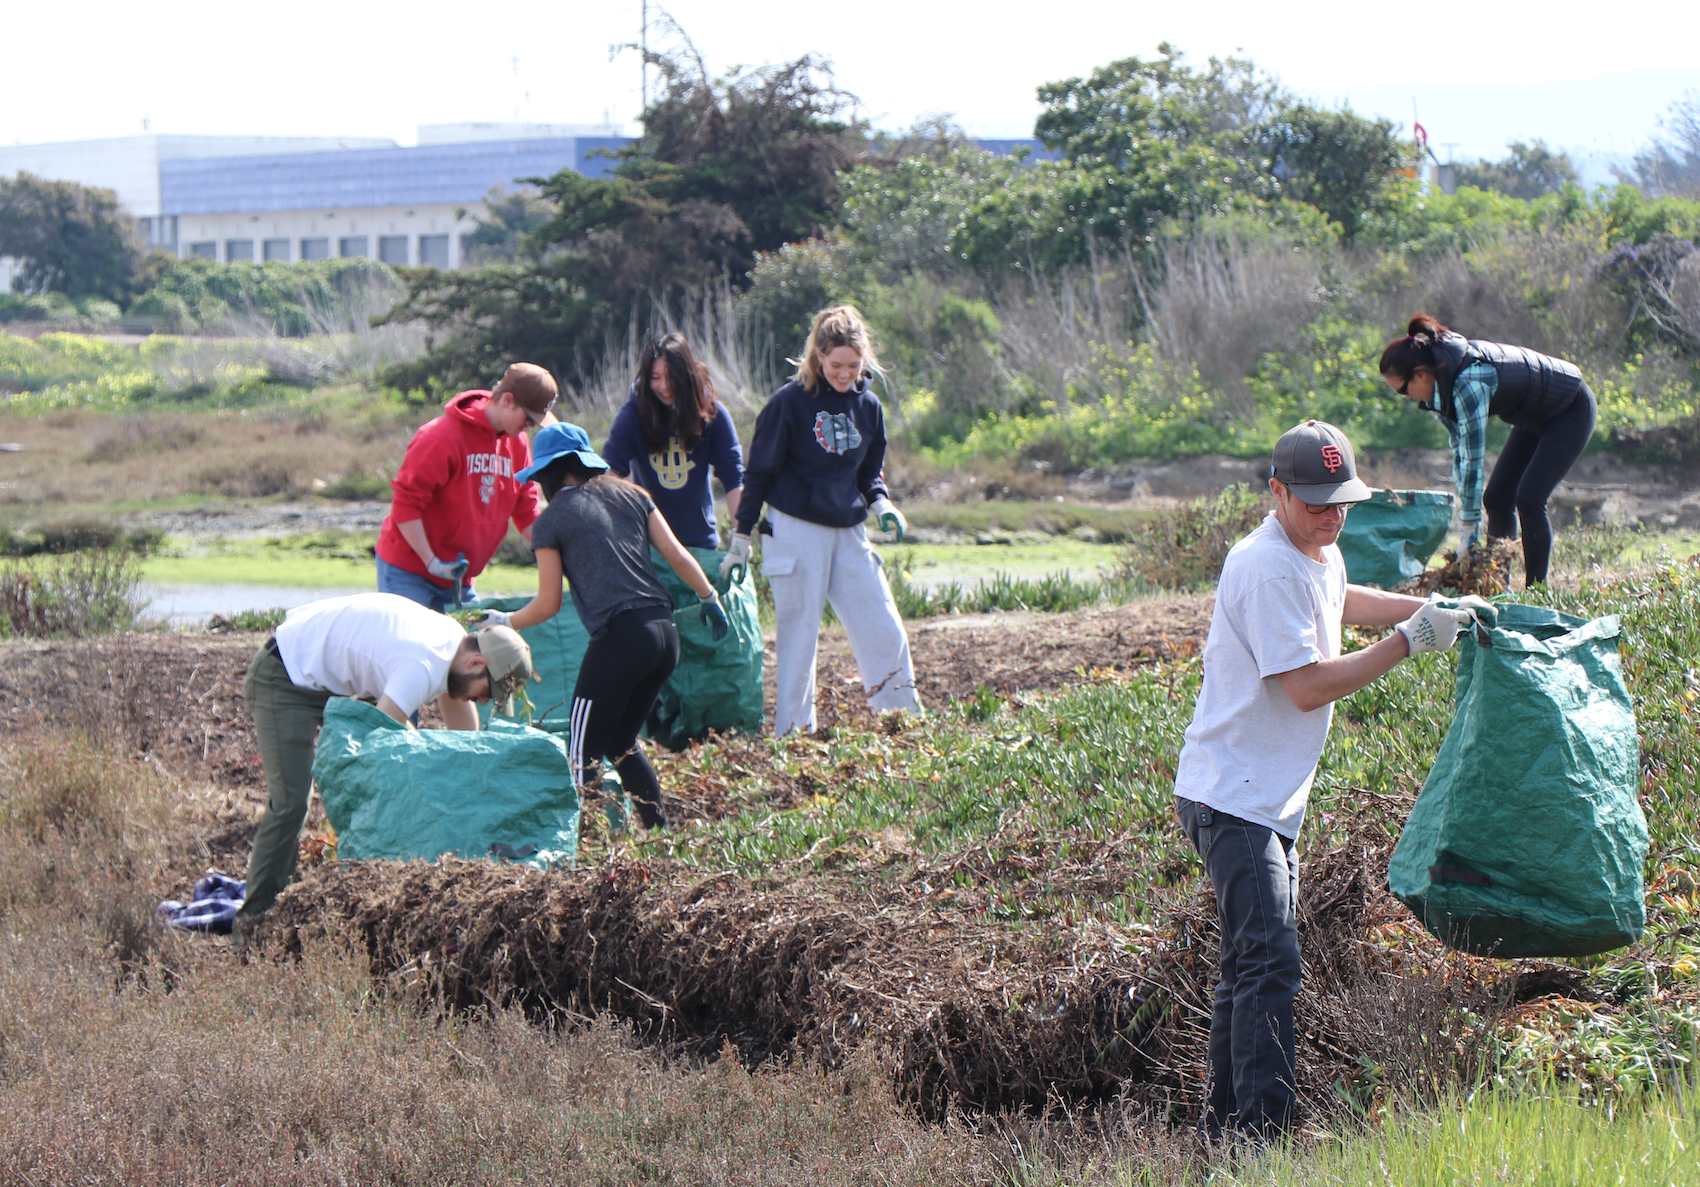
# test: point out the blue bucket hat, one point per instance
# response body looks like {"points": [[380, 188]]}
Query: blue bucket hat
{"points": [[556, 440]]}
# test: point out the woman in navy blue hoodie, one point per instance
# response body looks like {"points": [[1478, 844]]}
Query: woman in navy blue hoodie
{"points": [[815, 462], [670, 434]]}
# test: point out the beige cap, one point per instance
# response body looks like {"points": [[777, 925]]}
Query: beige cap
{"points": [[531, 385], [509, 660]]}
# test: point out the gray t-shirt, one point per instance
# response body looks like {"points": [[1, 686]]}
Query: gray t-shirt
{"points": [[601, 530]]}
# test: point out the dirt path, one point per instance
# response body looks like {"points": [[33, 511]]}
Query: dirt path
{"points": [[178, 698], [1010, 653]]}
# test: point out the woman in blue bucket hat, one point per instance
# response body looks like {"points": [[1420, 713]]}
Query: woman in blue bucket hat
{"points": [[596, 533]]}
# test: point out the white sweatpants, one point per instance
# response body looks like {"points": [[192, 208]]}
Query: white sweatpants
{"points": [[809, 565]]}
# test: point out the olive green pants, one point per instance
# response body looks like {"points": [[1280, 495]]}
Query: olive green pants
{"points": [[286, 722]]}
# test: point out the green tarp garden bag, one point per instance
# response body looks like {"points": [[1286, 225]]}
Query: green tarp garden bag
{"points": [[1527, 838], [717, 686], [394, 792], [1388, 538]]}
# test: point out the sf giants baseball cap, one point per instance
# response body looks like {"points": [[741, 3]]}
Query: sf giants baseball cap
{"points": [[1315, 461]]}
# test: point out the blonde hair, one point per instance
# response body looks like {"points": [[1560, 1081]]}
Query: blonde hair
{"points": [[839, 326]]}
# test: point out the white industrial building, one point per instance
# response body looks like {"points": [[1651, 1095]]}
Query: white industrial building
{"points": [[250, 198]]}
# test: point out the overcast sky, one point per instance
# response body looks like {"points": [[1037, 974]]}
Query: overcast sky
{"points": [[1575, 74]]}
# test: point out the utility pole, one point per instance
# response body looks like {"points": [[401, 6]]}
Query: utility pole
{"points": [[643, 50]]}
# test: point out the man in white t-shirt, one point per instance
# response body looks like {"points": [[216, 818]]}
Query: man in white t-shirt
{"points": [[374, 645], [1272, 670]]}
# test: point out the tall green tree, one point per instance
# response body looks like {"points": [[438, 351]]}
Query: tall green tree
{"points": [[1527, 171], [1339, 162], [68, 238], [726, 168]]}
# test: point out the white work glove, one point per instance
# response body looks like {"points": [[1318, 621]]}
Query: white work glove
{"points": [[737, 559], [1432, 628], [443, 570], [490, 618], [1471, 530], [1483, 612], [890, 518]]}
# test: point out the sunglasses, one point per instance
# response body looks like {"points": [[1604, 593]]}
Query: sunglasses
{"points": [[1329, 508]]}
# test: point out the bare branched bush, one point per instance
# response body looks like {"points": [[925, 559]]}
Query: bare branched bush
{"points": [[1054, 331], [708, 317], [1222, 304], [1544, 291], [1675, 298]]}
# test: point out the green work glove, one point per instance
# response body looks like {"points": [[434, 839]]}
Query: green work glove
{"points": [[713, 616], [709, 612], [890, 518]]}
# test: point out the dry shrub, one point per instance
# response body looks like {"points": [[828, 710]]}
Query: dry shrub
{"points": [[1054, 330], [1184, 548], [1484, 570], [118, 437], [236, 455], [817, 971], [273, 476], [67, 786], [1222, 304], [293, 1074]]}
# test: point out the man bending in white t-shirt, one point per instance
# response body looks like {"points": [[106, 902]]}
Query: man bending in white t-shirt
{"points": [[374, 645], [1272, 670]]}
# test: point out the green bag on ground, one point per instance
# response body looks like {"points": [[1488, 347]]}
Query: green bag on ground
{"points": [[1528, 837], [717, 686], [395, 792], [1388, 538]]}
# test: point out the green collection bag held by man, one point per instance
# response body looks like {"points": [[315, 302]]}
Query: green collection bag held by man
{"points": [[1528, 837]]}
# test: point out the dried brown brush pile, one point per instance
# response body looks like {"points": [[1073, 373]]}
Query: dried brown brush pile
{"points": [[1485, 570], [968, 1012]]}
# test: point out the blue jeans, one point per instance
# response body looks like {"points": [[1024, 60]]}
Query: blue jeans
{"points": [[395, 580], [1252, 1077]]}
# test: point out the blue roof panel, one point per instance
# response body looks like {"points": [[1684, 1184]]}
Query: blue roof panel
{"points": [[427, 175]]}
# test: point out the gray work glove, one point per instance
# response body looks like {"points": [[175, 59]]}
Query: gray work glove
{"points": [[490, 618], [1432, 628], [736, 562], [890, 518], [450, 571]]}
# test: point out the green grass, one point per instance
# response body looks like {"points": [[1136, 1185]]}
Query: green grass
{"points": [[1026, 515], [1545, 1140], [934, 564], [328, 560]]}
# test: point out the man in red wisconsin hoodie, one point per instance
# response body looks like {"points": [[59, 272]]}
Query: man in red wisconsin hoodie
{"points": [[456, 491]]}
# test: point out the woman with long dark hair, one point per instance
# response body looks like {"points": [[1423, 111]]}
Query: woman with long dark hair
{"points": [[670, 433], [1545, 401], [596, 533], [816, 461]]}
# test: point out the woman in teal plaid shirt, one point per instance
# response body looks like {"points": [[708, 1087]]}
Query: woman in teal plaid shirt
{"points": [[1545, 401]]}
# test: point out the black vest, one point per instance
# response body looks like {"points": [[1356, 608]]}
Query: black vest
{"points": [[1533, 388]]}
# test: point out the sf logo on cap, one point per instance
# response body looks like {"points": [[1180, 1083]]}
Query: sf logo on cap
{"points": [[1331, 458]]}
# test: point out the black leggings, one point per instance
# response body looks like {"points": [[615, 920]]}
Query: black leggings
{"points": [[621, 675], [1534, 461]]}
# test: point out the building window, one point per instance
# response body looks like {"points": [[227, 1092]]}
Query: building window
{"points": [[392, 249], [276, 249], [353, 245], [315, 249], [239, 251], [203, 251], [433, 251]]}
